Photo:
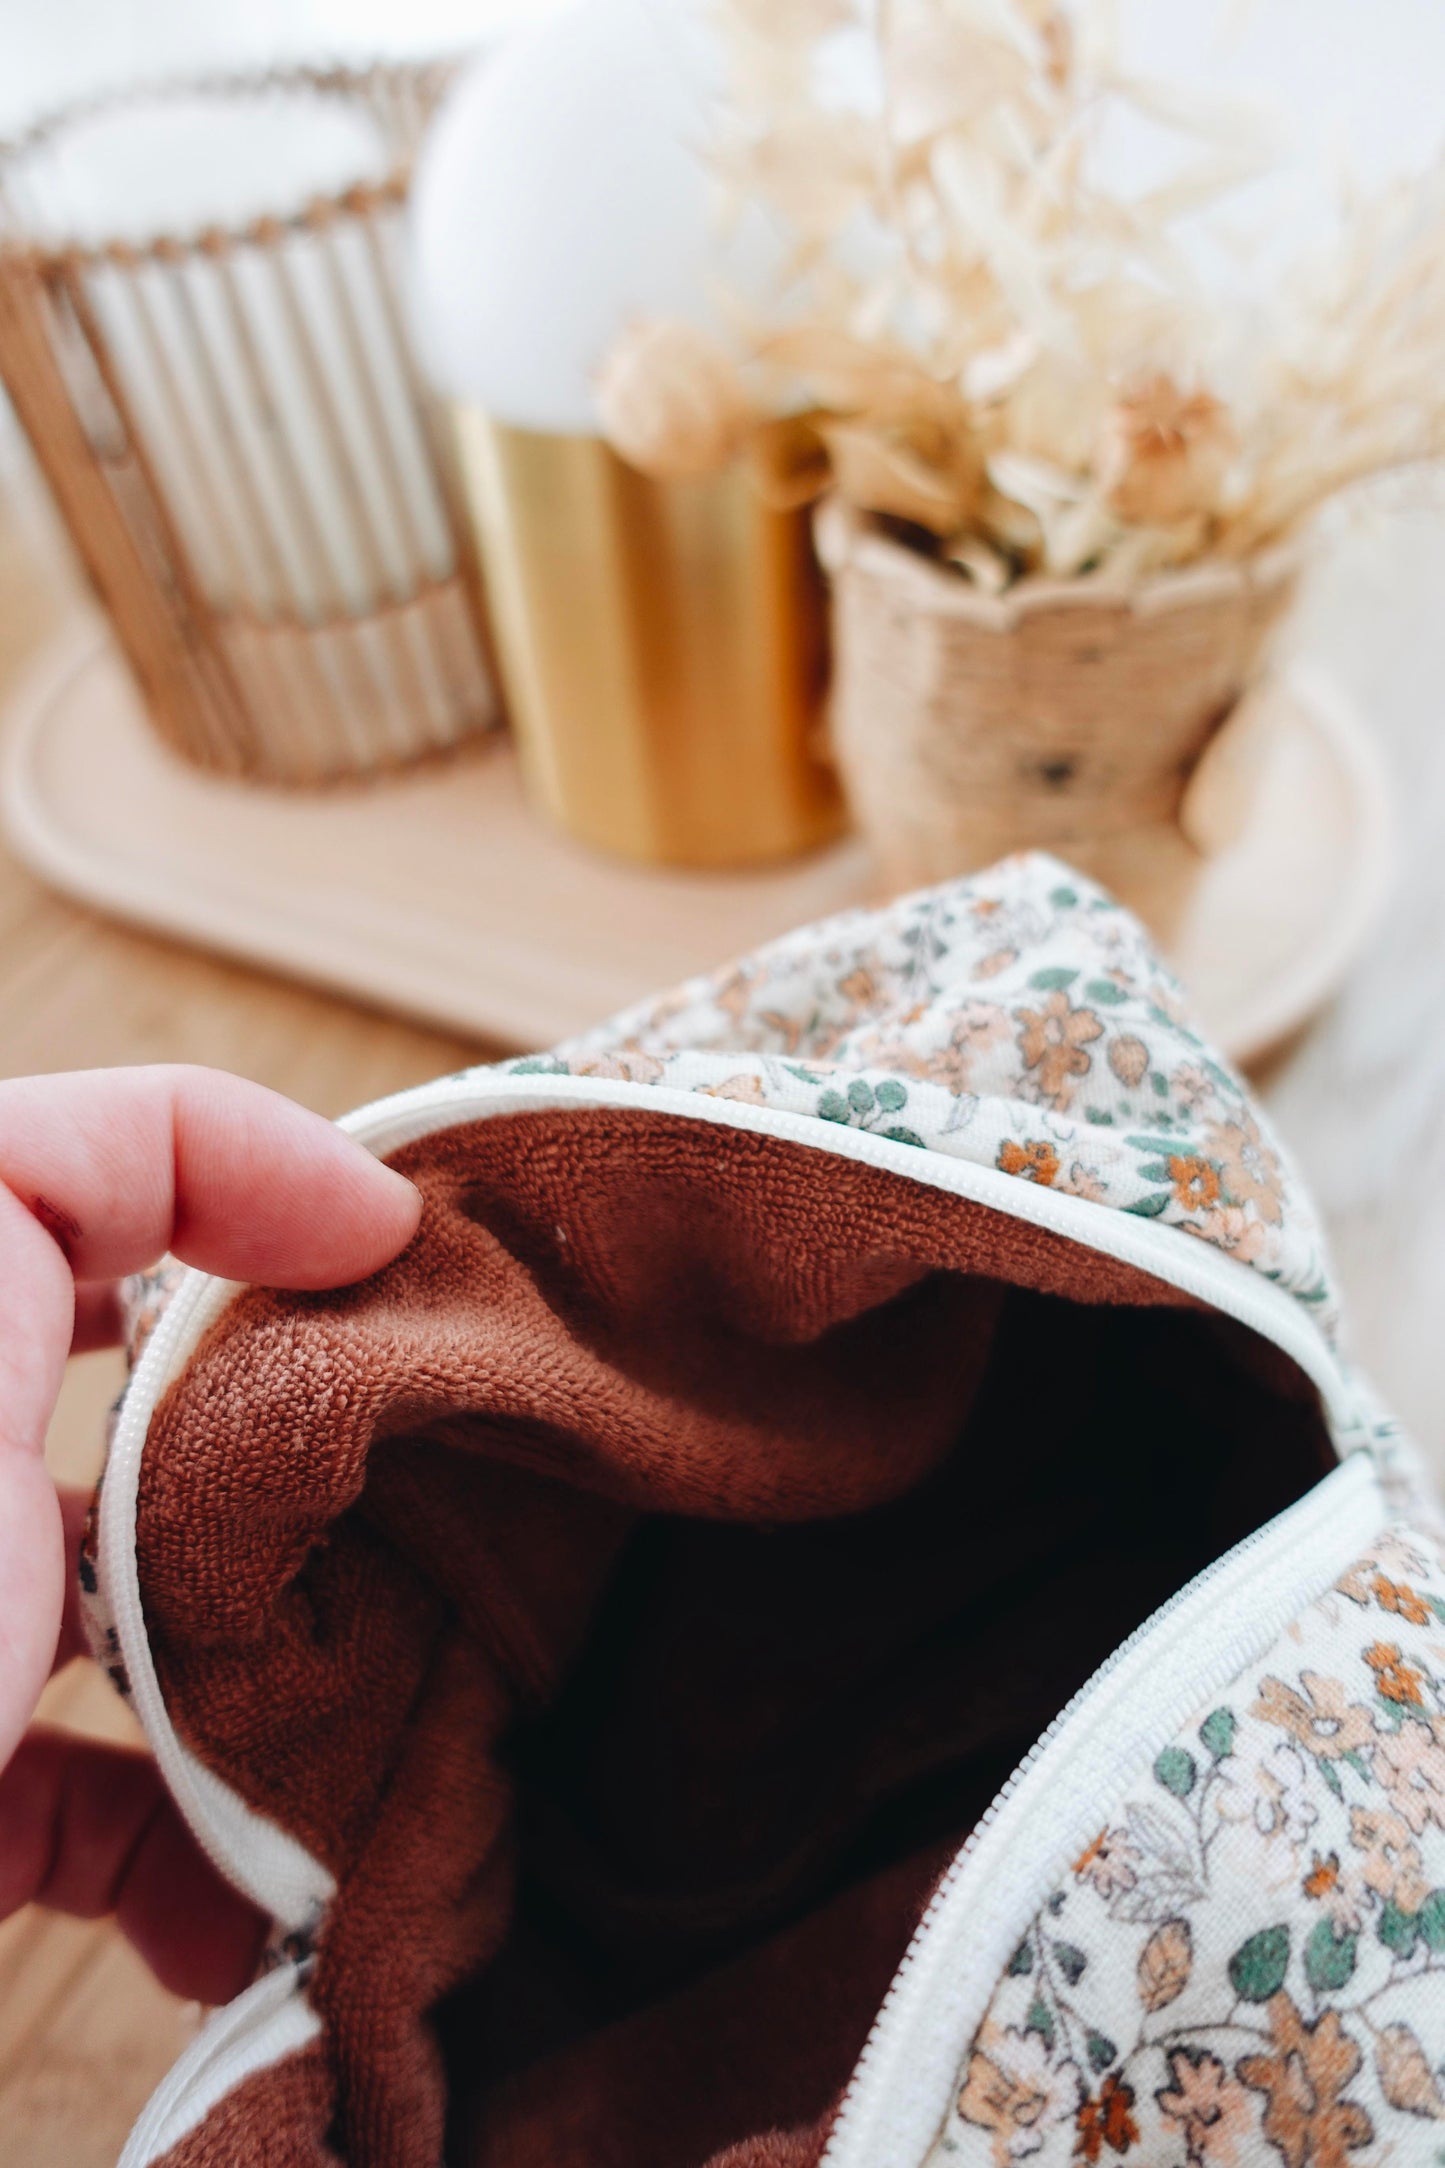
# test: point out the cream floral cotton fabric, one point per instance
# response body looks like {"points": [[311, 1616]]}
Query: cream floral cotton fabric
{"points": [[1246, 1966], [1021, 1020]]}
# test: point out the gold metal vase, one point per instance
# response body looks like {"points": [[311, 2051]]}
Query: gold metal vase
{"points": [[662, 648]]}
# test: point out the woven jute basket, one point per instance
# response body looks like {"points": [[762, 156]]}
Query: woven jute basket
{"points": [[1063, 715]]}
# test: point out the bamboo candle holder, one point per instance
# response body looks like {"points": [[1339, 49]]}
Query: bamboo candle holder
{"points": [[235, 431]]}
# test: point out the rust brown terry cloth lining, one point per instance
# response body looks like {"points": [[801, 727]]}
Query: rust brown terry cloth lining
{"points": [[633, 1594]]}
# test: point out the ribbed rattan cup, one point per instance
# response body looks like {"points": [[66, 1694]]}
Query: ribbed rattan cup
{"points": [[235, 431]]}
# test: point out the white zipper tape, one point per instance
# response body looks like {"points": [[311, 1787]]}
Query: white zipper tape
{"points": [[271, 2021], [1109, 1734]]}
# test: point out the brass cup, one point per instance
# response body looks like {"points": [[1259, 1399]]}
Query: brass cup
{"points": [[662, 647]]}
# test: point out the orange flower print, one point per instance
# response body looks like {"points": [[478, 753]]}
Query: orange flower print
{"points": [[1013, 2090], [1196, 1184], [789, 1031], [1110, 1863], [1323, 1877], [1212, 2109], [1250, 1169], [1106, 2121], [1052, 1041], [1129, 1060], [1036, 1162], [1191, 1086], [732, 989], [1336, 1892], [1232, 1229], [745, 1088], [630, 1068], [1394, 1678], [1307, 2120], [1081, 1181], [1397, 1597], [1320, 1718], [999, 959], [1391, 1865], [860, 988], [1410, 1764], [1391, 1555]]}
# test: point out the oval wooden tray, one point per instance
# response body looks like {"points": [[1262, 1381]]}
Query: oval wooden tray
{"points": [[438, 894]]}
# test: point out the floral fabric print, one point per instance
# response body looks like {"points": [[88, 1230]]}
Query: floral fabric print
{"points": [[1020, 1020], [1246, 1964]]}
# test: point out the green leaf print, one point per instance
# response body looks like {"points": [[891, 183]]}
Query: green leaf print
{"points": [[1022, 1960], [1175, 1770], [1154, 1170], [891, 1095], [1107, 991], [1063, 899], [905, 1136], [1151, 1206], [1216, 1733], [1041, 2020], [1100, 2050], [1399, 1931], [1431, 1917], [1258, 1967], [1329, 1958], [1331, 1776], [1071, 1962], [1054, 979], [860, 1096], [833, 1107]]}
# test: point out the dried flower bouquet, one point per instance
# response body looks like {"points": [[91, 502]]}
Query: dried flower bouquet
{"points": [[1003, 358]]}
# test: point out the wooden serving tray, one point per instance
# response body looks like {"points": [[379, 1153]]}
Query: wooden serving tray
{"points": [[438, 893]]}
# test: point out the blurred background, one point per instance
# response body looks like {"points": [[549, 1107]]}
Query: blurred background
{"points": [[439, 602]]}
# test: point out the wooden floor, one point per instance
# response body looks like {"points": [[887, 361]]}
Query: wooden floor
{"points": [[84, 2034]]}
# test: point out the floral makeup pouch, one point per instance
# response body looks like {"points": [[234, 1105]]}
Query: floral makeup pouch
{"points": [[838, 1604]]}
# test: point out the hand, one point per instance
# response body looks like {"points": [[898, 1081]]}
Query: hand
{"points": [[100, 1174]]}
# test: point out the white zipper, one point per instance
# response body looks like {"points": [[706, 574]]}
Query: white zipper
{"points": [[1189, 1649], [271, 2021]]}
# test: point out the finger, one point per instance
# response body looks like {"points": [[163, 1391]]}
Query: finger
{"points": [[101, 1172], [74, 1510], [119, 1165], [98, 1321], [90, 1829], [32, 1587]]}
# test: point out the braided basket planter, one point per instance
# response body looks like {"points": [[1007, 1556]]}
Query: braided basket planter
{"points": [[1063, 715]]}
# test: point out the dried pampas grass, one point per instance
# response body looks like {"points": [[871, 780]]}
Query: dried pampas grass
{"points": [[981, 341]]}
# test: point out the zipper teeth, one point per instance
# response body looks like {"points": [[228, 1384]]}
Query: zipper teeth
{"points": [[1205, 1680]]}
